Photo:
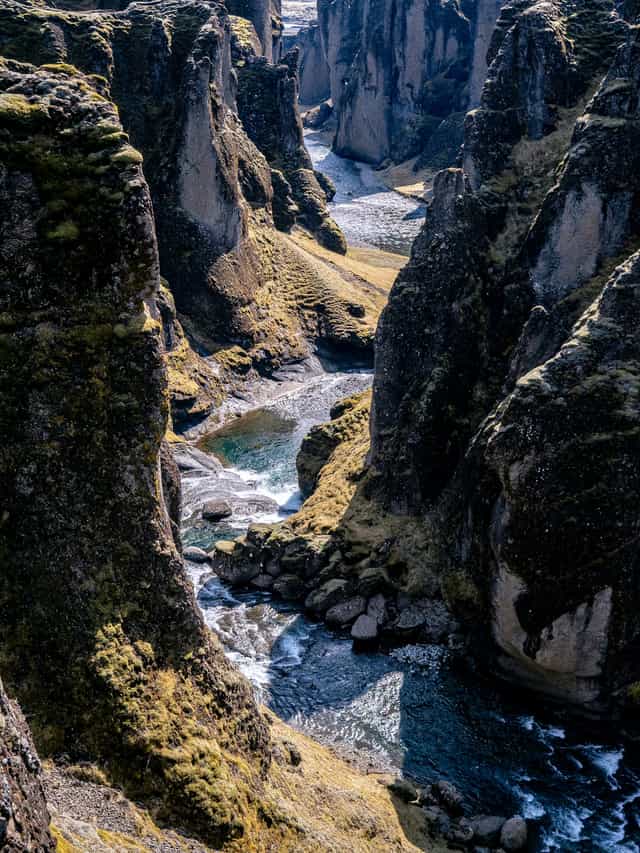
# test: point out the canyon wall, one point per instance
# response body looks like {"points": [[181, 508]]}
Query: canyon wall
{"points": [[176, 70], [398, 71], [101, 638], [511, 426]]}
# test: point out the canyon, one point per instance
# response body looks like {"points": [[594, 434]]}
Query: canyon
{"points": [[318, 503]]}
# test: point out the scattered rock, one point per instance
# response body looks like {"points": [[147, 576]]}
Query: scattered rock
{"points": [[216, 510], [295, 757], [289, 587], [364, 630], [343, 614], [448, 796], [262, 581], [321, 599], [410, 620], [513, 835], [487, 828], [377, 608], [196, 555]]}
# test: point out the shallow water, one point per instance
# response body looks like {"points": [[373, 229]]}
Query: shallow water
{"points": [[417, 710], [370, 215], [296, 14]]}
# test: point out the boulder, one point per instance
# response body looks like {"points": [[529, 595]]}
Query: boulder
{"points": [[513, 835], [343, 614], [195, 555], [404, 789], [487, 829], [448, 796], [364, 630], [262, 581], [377, 608], [216, 510], [289, 587], [326, 596]]}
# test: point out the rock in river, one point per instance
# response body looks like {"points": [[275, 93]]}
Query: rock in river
{"points": [[216, 510]]}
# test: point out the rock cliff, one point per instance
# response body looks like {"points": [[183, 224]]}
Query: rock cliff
{"points": [[403, 75], [500, 427], [101, 638], [24, 819]]}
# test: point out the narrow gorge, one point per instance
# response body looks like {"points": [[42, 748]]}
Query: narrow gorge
{"points": [[319, 485]]}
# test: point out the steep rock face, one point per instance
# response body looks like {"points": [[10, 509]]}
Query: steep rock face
{"points": [[516, 247], [101, 637], [168, 66], [314, 71], [24, 819], [267, 105], [398, 71]]}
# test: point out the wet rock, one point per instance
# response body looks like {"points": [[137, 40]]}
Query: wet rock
{"points": [[326, 596], [196, 555], [461, 833], [232, 563], [364, 630], [262, 581], [289, 587], [404, 789], [377, 608], [513, 835], [216, 510], [448, 796], [410, 621], [343, 614], [487, 828]]}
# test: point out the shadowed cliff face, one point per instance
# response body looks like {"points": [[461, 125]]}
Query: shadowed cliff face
{"points": [[101, 638], [517, 246]]}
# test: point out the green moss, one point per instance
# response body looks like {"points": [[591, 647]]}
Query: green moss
{"points": [[16, 108], [127, 156], [66, 230]]}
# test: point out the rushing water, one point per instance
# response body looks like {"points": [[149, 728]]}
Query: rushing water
{"points": [[296, 14], [417, 710], [370, 215]]}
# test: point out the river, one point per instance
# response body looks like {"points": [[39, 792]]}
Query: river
{"points": [[417, 710]]}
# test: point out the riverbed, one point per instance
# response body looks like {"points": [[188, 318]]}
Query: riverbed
{"points": [[369, 213], [417, 711]]}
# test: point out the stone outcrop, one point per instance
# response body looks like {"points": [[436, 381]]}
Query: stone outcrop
{"points": [[315, 85], [100, 635], [170, 68], [403, 75], [24, 818]]}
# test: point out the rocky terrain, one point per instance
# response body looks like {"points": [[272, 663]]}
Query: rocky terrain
{"points": [[502, 461]]}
